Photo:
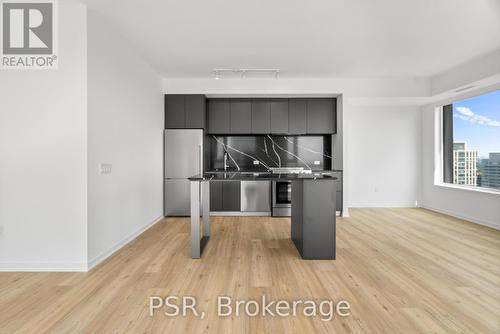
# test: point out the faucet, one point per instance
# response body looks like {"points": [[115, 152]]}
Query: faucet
{"points": [[226, 165]]}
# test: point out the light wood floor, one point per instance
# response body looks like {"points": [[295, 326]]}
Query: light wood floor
{"points": [[402, 270]]}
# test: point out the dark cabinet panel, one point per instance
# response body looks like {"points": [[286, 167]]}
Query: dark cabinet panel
{"points": [[261, 116], [241, 116], [216, 196], [218, 116], [231, 197], [338, 189], [194, 106], [338, 199], [321, 116], [184, 111], [279, 116], [297, 116], [225, 196], [264, 116], [174, 112]]}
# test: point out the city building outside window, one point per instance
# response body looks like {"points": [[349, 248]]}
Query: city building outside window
{"points": [[471, 141]]}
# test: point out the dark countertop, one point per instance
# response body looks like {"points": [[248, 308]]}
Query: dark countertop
{"points": [[261, 170], [264, 176]]}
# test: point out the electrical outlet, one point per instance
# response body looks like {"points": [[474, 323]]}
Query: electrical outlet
{"points": [[256, 162], [105, 168], [317, 162]]}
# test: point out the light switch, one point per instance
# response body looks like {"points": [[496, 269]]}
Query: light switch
{"points": [[105, 168]]}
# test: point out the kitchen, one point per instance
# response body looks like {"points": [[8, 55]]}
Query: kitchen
{"points": [[242, 139], [180, 153]]}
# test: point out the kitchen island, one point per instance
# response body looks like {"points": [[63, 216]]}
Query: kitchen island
{"points": [[313, 228]]}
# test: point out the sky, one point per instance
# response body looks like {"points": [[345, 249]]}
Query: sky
{"points": [[477, 122]]}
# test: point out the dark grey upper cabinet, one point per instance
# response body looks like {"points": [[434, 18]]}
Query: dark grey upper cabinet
{"points": [[218, 116], [174, 112], [293, 116], [231, 197], [241, 116], [184, 111], [261, 116], [279, 116], [321, 115], [297, 116], [195, 111]]}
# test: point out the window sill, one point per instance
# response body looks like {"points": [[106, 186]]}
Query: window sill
{"points": [[468, 188]]}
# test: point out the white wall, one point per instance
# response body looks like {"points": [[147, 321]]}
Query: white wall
{"points": [[383, 160], [472, 72], [479, 207], [125, 128], [350, 87], [43, 157]]}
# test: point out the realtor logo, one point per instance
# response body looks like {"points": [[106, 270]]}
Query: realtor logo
{"points": [[28, 34]]}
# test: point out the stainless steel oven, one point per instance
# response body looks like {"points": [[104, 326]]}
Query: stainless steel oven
{"points": [[282, 198]]}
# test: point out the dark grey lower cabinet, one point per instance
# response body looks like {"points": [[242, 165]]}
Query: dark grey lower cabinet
{"points": [[225, 196], [338, 203], [231, 200], [216, 196], [313, 226], [338, 189]]}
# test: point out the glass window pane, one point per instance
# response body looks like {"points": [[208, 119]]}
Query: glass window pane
{"points": [[476, 141]]}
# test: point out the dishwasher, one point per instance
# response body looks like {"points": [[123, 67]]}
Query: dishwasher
{"points": [[256, 198]]}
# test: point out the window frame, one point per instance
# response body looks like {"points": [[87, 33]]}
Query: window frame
{"points": [[442, 170]]}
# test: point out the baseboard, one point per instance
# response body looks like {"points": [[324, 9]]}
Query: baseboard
{"points": [[493, 225], [43, 267], [385, 205], [239, 214], [103, 256]]}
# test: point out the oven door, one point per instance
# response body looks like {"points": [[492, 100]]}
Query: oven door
{"points": [[282, 194]]}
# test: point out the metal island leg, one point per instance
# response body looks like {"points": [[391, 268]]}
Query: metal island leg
{"points": [[200, 234]]}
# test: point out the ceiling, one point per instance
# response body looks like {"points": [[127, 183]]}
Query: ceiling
{"points": [[323, 38]]}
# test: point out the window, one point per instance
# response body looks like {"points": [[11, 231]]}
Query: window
{"points": [[471, 141]]}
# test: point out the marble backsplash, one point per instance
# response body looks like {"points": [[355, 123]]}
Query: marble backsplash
{"points": [[310, 152]]}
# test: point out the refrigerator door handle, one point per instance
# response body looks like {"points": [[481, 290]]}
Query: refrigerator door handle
{"points": [[200, 149]]}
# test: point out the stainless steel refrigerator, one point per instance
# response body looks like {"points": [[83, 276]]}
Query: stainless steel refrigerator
{"points": [[183, 158]]}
